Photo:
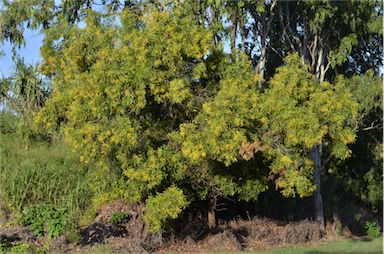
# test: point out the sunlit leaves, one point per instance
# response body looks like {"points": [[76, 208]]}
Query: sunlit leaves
{"points": [[301, 113], [163, 206], [218, 130]]}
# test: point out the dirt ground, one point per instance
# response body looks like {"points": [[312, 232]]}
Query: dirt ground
{"points": [[188, 235]]}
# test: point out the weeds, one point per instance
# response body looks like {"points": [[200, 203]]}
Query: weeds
{"points": [[43, 180], [118, 217], [372, 229], [44, 219]]}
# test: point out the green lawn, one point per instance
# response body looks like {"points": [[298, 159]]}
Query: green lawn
{"points": [[341, 247], [347, 246]]}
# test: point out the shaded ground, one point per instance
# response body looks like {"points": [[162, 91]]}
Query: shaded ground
{"points": [[189, 235]]}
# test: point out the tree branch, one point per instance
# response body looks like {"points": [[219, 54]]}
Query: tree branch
{"points": [[284, 27], [373, 126]]}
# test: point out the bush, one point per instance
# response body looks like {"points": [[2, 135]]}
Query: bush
{"points": [[118, 217], [372, 229], [44, 219], [164, 206], [20, 248]]}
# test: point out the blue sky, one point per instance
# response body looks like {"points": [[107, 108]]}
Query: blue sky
{"points": [[30, 53]]}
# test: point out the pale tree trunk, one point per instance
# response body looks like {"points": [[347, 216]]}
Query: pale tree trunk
{"points": [[261, 64], [317, 153], [211, 213], [264, 33], [212, 20], [242, 33]]}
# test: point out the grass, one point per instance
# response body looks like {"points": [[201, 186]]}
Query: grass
{"points": [[40, 173], [341, 247], [36, 173], [346, 246]]}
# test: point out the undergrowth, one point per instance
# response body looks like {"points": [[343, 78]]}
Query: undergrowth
{"points": [[38, 179], [45, 186]]}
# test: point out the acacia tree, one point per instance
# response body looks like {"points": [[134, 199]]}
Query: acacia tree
{"points": [[331, 38], [218, 138], [120, 90], [128, 95]]}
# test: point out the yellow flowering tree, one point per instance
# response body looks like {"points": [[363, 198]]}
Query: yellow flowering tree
{"points": [[147, 94]]}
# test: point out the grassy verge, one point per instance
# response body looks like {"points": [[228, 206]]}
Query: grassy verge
{"points": [[42, 175], [346, 246]]}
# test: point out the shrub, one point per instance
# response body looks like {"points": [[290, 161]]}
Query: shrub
{"points": [[118, 217], [8, 122], [45, 219], [372, 229], [20, 248], [164, 206]]}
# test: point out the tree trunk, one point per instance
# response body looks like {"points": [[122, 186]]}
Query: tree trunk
{"points": [[317, 153], [261, 64], [212, 20], [317, 197], [211, 213], [242, 32], [264, 33]]}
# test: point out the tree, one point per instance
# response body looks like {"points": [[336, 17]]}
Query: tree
{"points": [[218, 143], [324, 34], [295, 114], [118, 95]]}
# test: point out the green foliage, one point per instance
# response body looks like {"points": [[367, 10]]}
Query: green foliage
{"points": [[220, 135], [296, 113], [118, 217], [361, 175], [8, 122], [374, 181], [164, 206], [117, 101], [372, 229], [124, 111], [20, 248], [36, 173], [339, 56], [367, 91], [45, 219], [25, 91], [219, 129]]}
